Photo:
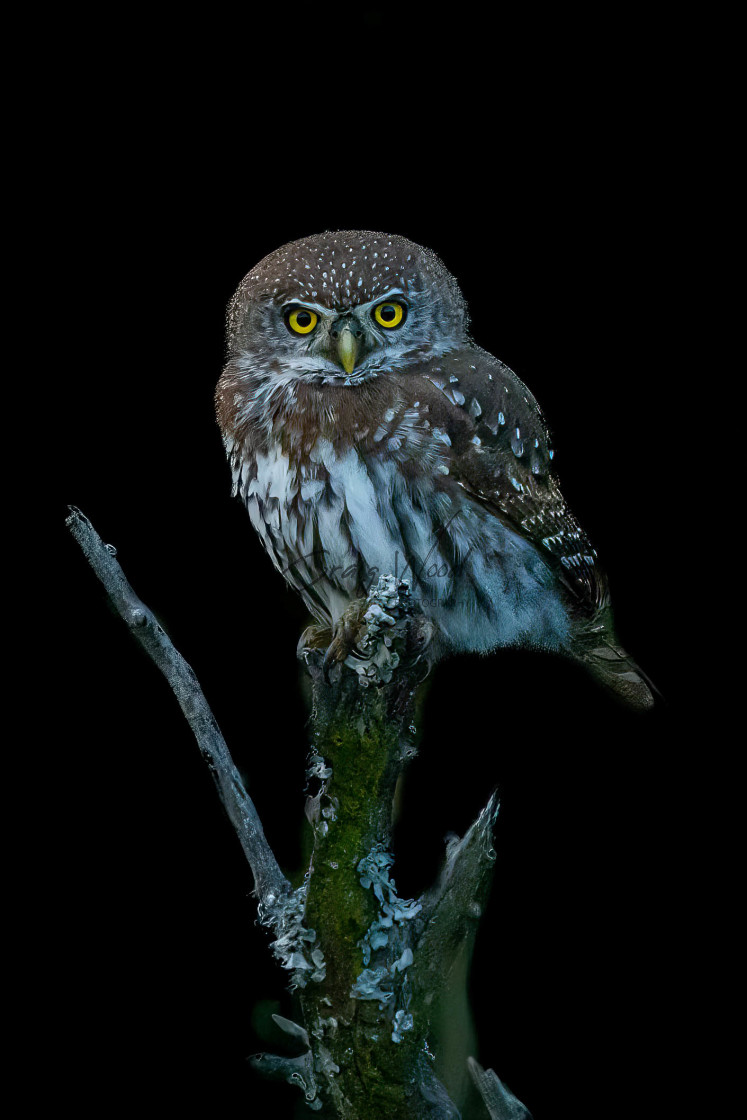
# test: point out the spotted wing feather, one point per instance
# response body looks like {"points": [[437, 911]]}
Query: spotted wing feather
{"points": [[503, 458]]}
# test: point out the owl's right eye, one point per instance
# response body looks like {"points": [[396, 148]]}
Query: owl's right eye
{"points": [[301, 321]]}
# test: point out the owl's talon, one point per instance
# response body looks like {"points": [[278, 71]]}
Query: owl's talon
{"points": [[343, 644], [335, 655], [314, 637], [339, 651], [330, 660]]}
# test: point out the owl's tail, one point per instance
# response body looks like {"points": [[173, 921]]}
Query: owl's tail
{"points": [[596, 644]]}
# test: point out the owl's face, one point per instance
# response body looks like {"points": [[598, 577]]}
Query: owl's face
{"points": [[344, 307]]}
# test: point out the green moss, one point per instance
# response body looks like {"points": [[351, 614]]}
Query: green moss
{"points": [[358, 737]]}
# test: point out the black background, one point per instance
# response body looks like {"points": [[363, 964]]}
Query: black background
{"points": [[562, 209]]}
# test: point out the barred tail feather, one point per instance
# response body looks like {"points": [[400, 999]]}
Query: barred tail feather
{"points": [[596, 645]]}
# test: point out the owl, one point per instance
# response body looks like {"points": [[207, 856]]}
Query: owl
{"points": [[368, 435]]}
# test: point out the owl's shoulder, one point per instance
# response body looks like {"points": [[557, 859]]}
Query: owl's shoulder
{"points": [[478, 400]]}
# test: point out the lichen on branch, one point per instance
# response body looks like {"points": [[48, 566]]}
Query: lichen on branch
{"points": [[365, 965]]}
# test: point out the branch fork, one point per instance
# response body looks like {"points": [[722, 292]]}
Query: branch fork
{"points": [[364, 963]]}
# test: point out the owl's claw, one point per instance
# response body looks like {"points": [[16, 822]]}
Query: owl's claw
{"points": [[314, 637], [336, 655], [373, 637], [343, 644]]}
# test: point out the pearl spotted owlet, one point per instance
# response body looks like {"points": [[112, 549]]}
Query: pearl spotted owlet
{"points": [[368, 435]]}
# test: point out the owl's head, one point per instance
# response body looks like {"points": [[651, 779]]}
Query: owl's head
{"points": [[345, 307]]}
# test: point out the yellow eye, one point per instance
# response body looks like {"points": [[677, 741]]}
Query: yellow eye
{"points": [[389, 314], [302, 321]]}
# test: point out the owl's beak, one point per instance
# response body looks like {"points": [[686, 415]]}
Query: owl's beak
{"points": [[348, 347]]}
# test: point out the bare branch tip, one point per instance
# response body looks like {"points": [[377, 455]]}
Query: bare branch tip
{"points": [[500, 1102]]}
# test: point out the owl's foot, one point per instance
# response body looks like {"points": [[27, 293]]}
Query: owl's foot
{"points": [[377, 634], [314, 637], [350, 627]]}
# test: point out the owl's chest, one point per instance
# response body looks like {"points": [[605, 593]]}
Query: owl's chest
{"points": [[329, 522], [336, 522]]}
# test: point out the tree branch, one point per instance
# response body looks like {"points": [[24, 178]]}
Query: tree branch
{"points": [[453, 907], [269, 882], [368, 973], [498, 1100]]}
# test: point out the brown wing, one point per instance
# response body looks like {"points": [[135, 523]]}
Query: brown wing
{"points": [[502, 456]]}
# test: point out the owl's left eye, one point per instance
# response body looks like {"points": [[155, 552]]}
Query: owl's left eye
{"points": [[389, 314], [301, 321]]}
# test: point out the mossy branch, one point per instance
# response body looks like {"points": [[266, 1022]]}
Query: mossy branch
{"points": [[368, 967]]}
